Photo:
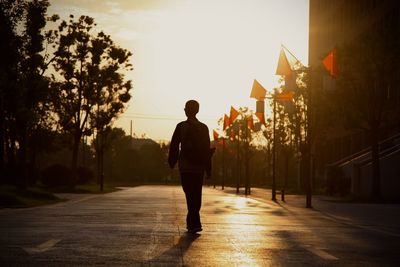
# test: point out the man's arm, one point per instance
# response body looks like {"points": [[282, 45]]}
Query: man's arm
{"points": [[173, 154]]}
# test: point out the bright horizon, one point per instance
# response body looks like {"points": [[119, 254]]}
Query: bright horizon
{"points": [[210, 51]]}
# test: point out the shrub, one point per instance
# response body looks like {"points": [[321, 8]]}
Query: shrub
{"points": [[56, 175], [85, 175], [9, 199]]}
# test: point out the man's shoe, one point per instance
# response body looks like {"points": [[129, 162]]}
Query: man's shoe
{"points": [[195, 230]]}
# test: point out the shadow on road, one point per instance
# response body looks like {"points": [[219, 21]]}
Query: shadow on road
{"points": [[174, 255]]}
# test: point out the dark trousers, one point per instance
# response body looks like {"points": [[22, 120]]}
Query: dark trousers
{"points": [[192, 184]]}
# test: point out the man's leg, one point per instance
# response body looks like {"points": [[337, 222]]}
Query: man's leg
{"points": [[192, 186], [197, 193], [187, 188]]}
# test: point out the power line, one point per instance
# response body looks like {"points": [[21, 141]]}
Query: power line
{"points": [[149, 118], [156, 117]]}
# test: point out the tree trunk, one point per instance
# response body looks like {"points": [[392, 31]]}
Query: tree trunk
{"points": [[2, 141], [285, 183], [223, 165], [246, 171], [238, 170], [100, 159], [101, 168], [306, 173], [98, 163], [10, 147], [22, 157], [32, 165], [74, 164], [376, 179]]}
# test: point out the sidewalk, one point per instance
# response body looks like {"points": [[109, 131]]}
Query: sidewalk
{"points": [[380, 217]]}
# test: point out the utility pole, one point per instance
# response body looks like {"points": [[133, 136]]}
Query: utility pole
{"points": [[131, 133], [238, 164], [274, 154], [223, 164]]}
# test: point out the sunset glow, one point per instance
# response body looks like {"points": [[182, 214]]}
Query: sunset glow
{"points": [[205, 50]]}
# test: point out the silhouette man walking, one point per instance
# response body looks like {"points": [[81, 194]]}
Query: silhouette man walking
{"points": [[190, 147]]}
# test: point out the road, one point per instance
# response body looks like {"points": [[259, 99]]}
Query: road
{"points": [[145, 226]]}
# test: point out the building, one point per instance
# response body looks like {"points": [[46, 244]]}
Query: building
{"points": [[343, 22]]}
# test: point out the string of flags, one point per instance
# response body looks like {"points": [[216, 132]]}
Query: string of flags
{"points": [[287, 68]]}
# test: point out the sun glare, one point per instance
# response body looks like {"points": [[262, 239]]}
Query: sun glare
{"points": [[240, 202], [205, 50]]}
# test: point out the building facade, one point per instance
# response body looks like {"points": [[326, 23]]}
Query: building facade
{"points": [[340, 23]]}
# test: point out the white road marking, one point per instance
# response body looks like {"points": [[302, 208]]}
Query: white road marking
{"points": [[320, 253], [42, 247]]}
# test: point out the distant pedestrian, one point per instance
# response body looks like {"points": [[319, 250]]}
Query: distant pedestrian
{"points": [[190, 147]]}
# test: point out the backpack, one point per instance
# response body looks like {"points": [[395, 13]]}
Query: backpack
{"points": [[195, 144]]}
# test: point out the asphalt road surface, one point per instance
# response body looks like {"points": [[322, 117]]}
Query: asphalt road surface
{"points": [[145, 226]]}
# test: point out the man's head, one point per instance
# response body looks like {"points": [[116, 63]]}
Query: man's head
{"points": [[191, 108]]}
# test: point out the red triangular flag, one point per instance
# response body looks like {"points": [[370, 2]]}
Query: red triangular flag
{"points": [[233, 114], [216, 135], [330, 63], [283, 67], [226, 122], [258, 91]]}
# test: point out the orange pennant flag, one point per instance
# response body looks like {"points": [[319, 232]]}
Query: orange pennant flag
{"points": [[330, 63], [261, 117], [283, 67], [233, 114], [250, 122], [226, 122], [258, 91], [216, 135], [285, 96]]}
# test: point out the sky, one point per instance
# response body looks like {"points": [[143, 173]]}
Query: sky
{"points": [[207, 50]]}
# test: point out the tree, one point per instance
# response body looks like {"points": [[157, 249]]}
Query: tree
{"points": [[34, 86], [89, 84], [112, 92], [24, 89], [240, 132], [131, 160], [11, 14]]}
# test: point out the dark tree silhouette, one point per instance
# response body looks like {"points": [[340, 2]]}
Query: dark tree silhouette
{"points": [[89, 84], [11, 13], [24, 89]]}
